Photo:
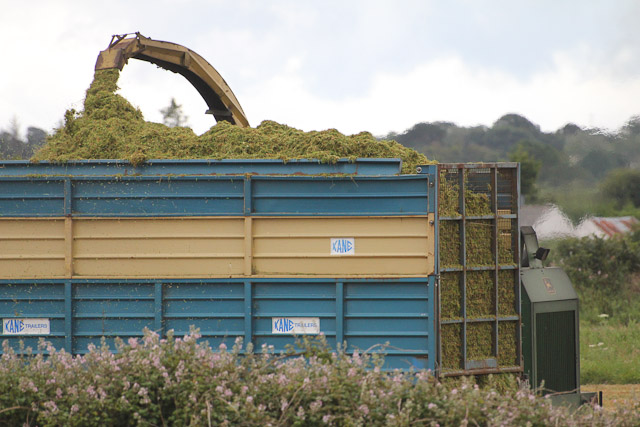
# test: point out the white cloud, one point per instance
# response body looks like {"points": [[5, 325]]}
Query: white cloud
{"points": [[449, 89], [276, 57]]}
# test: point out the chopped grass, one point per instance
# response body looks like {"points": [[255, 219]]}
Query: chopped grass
{"points": [[448, 194], [507, 344], [506, 293], [476, 197], [480, 340], [450, 242], [478, 243], [109, 127], [506, 244], [451, 339], [450, 296], [481, 296]]}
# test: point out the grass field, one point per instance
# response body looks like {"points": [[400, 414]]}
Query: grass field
{"points": [[610, 354]]}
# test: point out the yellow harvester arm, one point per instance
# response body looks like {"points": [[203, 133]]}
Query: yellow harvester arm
{"points": [[173, 57]]}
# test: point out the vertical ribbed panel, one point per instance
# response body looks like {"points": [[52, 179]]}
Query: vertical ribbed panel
{"points": [[111, 310], [293, 299], [31, 300], [556, 350], [217, 308], [399, 315]]}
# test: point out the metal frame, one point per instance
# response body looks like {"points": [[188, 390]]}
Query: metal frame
{"points": [[485, 367]]}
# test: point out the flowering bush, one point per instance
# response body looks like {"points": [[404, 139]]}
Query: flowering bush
{"points": [[181, 381]]}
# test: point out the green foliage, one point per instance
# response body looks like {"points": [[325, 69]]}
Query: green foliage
{"points": [[599, 162], [182, 382], [529, 169], [172, 115], [605, 273], [111, 128], [622, 187], [571, 162], [14, 147]]}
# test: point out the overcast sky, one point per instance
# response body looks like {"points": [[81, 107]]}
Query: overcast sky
{"points": [[370, 65]]}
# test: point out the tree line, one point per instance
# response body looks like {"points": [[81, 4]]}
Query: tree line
{"points": [[586, 169], [14, 146]]}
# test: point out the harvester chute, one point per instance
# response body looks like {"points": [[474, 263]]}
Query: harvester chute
{"points": [[222, 103]]}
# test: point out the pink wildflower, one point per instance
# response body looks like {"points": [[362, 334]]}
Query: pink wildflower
{"points": [[300, 413], [91, 391], [51, 406], [315, 405]]}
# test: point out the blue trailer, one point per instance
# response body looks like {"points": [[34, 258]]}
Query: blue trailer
{"points": [[260, 249]]}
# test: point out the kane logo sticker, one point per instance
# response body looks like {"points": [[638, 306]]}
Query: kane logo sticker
{"points": [[343, 246], [295, 325], [26, 327]]}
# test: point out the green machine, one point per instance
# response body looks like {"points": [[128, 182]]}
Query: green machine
{"points": [[550, 326]]}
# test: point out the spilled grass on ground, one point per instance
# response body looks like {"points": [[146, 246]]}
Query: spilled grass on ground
{"points": [[615, 396]]}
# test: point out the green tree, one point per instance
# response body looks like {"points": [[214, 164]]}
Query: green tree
{"points": [[14, 147], [173, 116], [529, 169], [622, 186]]}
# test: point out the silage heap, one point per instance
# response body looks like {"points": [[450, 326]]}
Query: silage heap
{"points": [[109, 127]]}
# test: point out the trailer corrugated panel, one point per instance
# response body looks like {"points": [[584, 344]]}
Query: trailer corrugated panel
{"points": [[229, 195], [214, 246], [364, 313]]}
